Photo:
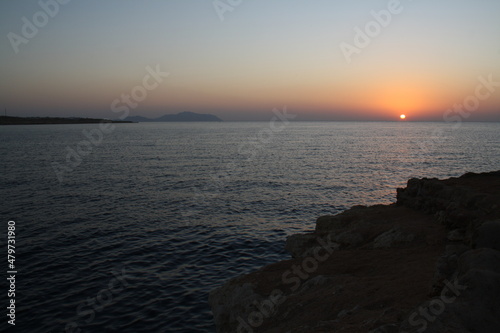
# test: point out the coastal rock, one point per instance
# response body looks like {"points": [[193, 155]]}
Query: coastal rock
{"points": [[369, 269], [347, 312], [320, 286], [456, 235], [489, 235], [392, 238], [344, 220], [481, 259], [333, 223], [316, 282], [457, 202], [455, 249], [470, 302], [388, 328], [302, 245], [349, 239], [232, 302], [445, 269]]}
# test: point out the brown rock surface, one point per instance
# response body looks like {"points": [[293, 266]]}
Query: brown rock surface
{"points": [[370, 267]]}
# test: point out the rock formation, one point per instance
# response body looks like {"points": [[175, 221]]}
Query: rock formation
{"points": [[429, 263]]}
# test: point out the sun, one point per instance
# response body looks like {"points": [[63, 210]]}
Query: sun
{"points": [[402, 117]]}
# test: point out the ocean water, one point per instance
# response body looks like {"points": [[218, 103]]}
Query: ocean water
{"points": [[132, 233]]}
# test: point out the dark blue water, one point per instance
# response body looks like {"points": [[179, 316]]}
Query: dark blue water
{"points": [[131, 237]]}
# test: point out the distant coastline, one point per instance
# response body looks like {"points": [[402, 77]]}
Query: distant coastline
{"points": [[179, 117], [7, 120]]}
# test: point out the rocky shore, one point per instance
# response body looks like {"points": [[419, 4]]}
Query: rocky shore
{"points": [[428, 263]]}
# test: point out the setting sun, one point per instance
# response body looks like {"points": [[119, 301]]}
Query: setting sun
{"points": [[402, 116]]}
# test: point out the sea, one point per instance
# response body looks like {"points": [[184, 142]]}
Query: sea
{"points": [[127, 228]]}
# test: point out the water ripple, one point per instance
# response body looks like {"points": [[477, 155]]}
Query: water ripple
{"points": [[160, 214]]}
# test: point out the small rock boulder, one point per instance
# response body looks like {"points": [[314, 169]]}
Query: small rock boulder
{"points": [[489, 235], [456, 235], [301, 245], [392, 238], [349, 239], [231, 302]]}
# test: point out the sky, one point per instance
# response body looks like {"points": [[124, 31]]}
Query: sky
{"points": [[432, 60]]}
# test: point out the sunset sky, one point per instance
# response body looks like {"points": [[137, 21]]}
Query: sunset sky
{"points": [[424, 59]]}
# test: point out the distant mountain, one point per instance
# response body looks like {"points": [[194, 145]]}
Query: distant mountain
{"points": [[138, 119], [183, 116]]}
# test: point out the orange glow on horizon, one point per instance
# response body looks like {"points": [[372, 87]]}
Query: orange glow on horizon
{"points": [[402, 99]]}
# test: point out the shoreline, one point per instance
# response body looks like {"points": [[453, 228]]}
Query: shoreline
{"points": [[8, 120], [411, 266]]}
